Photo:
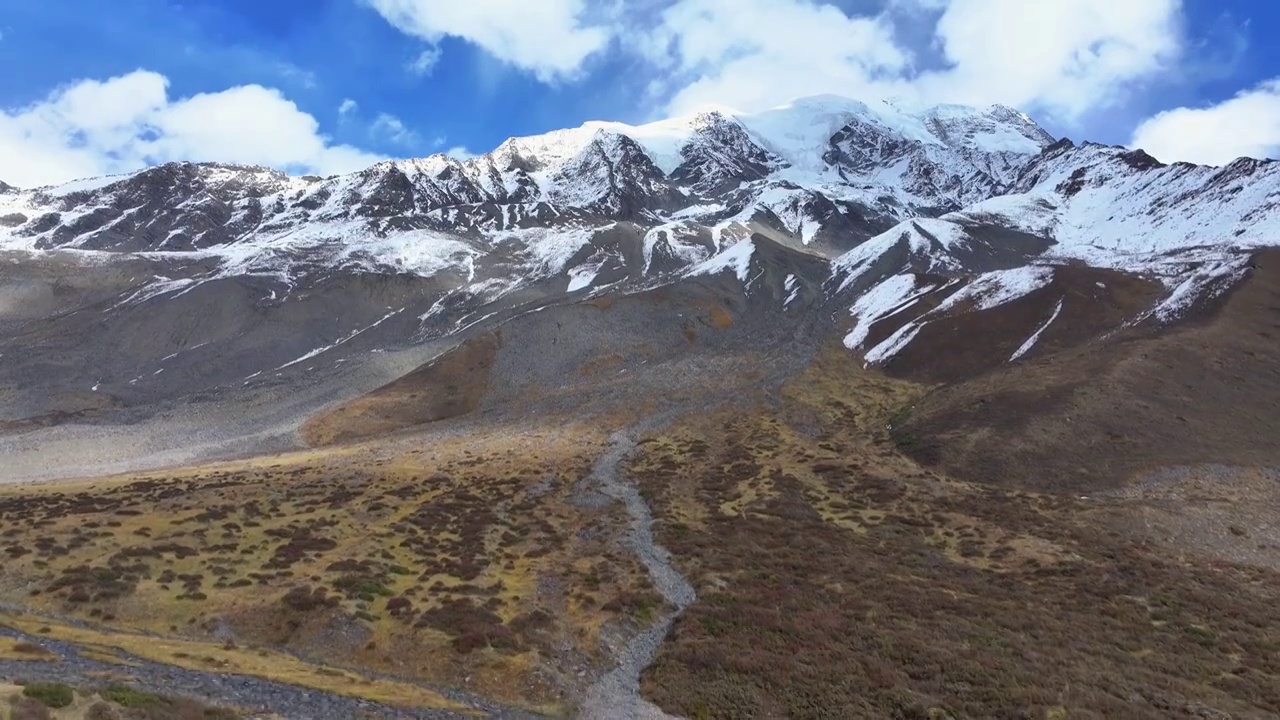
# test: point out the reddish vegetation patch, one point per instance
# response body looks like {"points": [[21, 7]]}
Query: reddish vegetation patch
{"points": [[1096, 415], [720, 318], [967, 343]]}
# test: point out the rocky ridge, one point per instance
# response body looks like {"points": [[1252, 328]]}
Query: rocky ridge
{"points": [[811, 205]]}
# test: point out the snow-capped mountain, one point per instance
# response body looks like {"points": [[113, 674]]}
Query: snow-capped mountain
{"points": [[817, 163], [873, 192]]}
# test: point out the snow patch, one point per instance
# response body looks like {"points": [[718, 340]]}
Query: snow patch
{"points": [[551, 248], [582, 277], [1035, 336], [996, 288], [898, 292], [880, 302], [736, 257], [892, 345], [674, 236], [791, 287], [1208, 281]]}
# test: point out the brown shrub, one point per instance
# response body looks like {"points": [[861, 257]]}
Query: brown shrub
{"points": [[25, 708], [472, 627], [303, 599]]}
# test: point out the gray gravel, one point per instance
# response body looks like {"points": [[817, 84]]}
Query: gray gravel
{"points": [[1217, 511], [616, 695]]}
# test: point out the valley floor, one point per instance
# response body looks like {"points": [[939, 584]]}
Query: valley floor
{"points": [[836, 577], [790, 536]]}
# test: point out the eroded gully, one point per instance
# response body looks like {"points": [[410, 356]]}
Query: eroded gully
{"points": [[616, 695]]}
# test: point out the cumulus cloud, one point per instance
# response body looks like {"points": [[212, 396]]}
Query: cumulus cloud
{"points": [[1060, 57], [754, 54], [550, 38], [348, 107], [125, 123], [1246, 125], [1063, 57]]}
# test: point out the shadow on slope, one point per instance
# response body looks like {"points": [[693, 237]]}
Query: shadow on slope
{"points": [[449, 386]]}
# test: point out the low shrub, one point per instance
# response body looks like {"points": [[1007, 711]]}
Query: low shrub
{"points": [[129, 697], [54, 695]]}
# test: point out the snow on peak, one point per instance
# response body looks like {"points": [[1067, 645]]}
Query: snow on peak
{"points": [[85, 185], [548, 149], [801, 130], [798, 132], [662, 141]]}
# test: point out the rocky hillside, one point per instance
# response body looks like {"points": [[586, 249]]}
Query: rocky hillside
{"points": [[187, 281]]}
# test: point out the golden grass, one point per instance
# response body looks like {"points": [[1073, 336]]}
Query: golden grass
{"points": [[486, 522], [11, 649], [103, 654]]}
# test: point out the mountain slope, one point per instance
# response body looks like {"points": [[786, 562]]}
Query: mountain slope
{"points": [[211, 282], [1207, 391]]}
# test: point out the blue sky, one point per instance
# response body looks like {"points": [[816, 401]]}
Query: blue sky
{"points": [[342, 72]]}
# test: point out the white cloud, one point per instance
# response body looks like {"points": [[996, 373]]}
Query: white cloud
{"points": [[426, 61], [754, 54], [550, 38], [1245, 125], [348, 107], [98, 127], [1063, 57], [460, 152], [391, 128]]}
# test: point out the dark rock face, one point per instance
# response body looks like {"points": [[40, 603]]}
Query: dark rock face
{"points": [[721, 157], [862, 145], [173, 207], [614, 177], [944, 177]]}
